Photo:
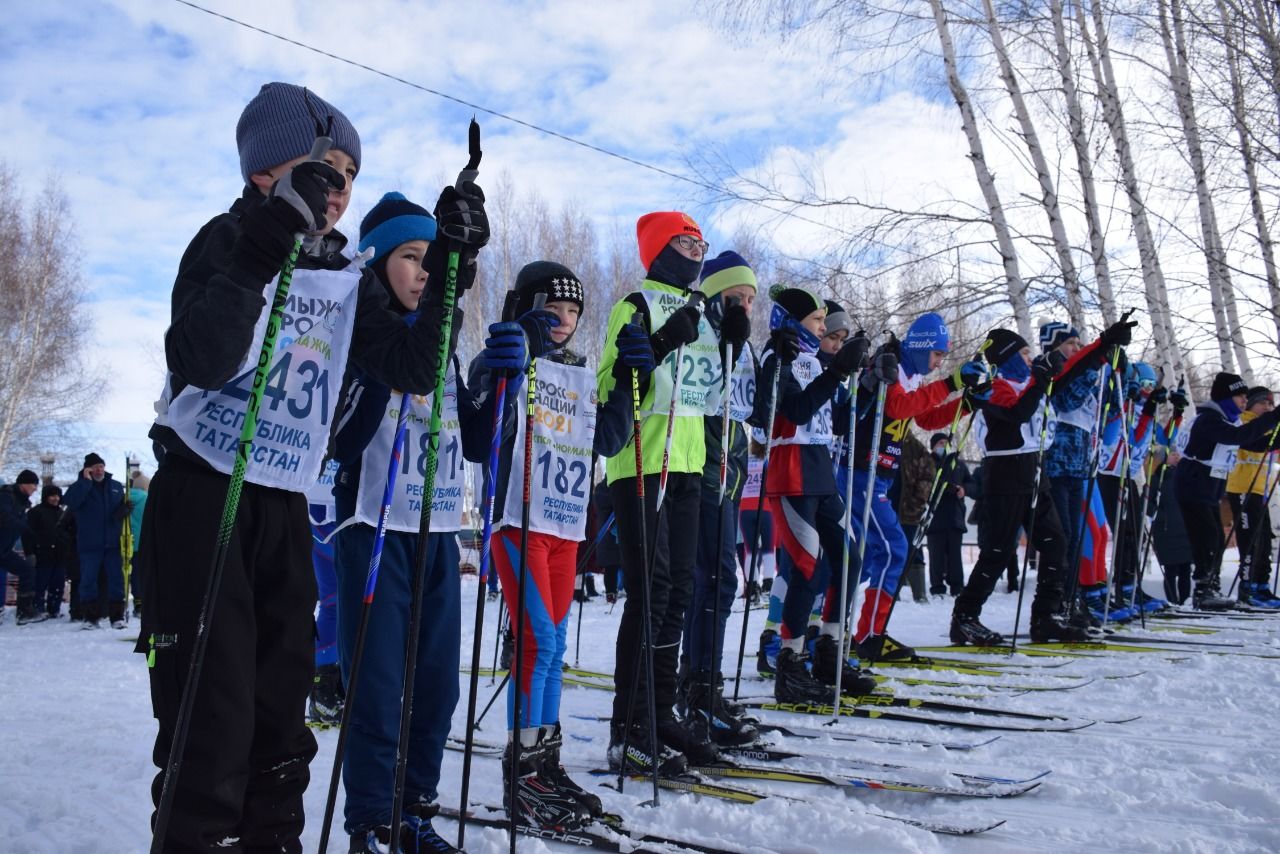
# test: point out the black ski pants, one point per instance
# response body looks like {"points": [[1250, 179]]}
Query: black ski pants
{"points": [[1006, 514], [946, 570], [245, 763], [1253, 536], [1204, 530], [672, 549]]}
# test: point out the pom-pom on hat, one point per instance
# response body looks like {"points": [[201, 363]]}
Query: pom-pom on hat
{"points": [[655, 230], [280, 123], [392, 221], [557, 281], [1227, 385], [837, 318], [797, 302], [726, 270], [27, 476], [1053, 333], [1000, 345]]}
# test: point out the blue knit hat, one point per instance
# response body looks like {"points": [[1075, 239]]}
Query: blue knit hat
{"points": [[392, 221], [726, 270], [281, 123]]}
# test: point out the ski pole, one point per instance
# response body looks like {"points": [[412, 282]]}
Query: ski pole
{"points": [[126, 537], [646, 611], [227, 525], [517, 664], [1271, 442], [882, 387], [1151, 498], [497, 692], [421, 557], [1072, 558], [850, 447], [695, 299], [725, 443], [1126, 426], [362, 628], [490, 491], [757, 533]]}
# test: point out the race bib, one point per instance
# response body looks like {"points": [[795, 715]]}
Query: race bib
{"points": [[742, 386], [806, 369], [564, 427], [299, 396], [699, 374], [411, 467]]}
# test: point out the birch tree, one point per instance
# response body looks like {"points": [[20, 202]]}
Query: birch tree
{"points": [[1048, 192], [986, 181], [1225, 314]]}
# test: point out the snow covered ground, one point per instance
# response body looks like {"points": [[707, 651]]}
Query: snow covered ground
{"points": [[1197, 772]]}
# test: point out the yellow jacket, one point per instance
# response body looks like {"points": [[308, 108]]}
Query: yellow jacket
{"points": [[1245, 477]]}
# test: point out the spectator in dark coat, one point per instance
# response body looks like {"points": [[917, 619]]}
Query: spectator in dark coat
{"points": [[100, 504], [915, 473], [50, 541], [15, 498], [947, 528]]}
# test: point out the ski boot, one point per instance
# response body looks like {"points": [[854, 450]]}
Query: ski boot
{"points": [[417, 836], [752, 594], [1050, 627], [705, 703], [737, 710], [793, 683], [553, 772], [853, 682], [1122, 608], [1208, 597], [324, 709], [966, 629], [767, 654], [641, 756], [690, 736], [374, 840], [1148, 604], [1258, 595], [539, 803], [883, 648]]}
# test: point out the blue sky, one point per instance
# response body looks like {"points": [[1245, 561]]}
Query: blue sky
{"points": [[132, 106]]}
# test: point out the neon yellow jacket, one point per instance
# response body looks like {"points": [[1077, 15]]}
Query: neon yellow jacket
{"points": [[1242, 478]]}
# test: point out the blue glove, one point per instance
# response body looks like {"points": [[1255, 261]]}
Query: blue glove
{"points": [[506, 350], [634, 352], [973, 376], [537, 325]]}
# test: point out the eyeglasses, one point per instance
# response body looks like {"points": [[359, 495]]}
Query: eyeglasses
{"points": [[689, 244]]}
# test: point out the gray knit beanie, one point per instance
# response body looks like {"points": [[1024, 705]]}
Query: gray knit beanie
{"points": [[280, 123]]}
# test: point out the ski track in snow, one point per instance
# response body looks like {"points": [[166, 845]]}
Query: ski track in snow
{"points": [[1197, 773]]}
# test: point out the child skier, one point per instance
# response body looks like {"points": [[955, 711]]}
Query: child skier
{"points": [[246, 756], [907, 398], [1014, 426], [671, 250], [1248, 487], [730, 287], [568, 428], [810, 511], [1212, 442]]}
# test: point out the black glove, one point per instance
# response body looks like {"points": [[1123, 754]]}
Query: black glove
{"points": [[460, 216], [306, 189], [785, 344], [268, 229], [852, 356], [1118, 334], [1043, 370], [1178, 397], [884, 367], [680, 328], [1160, 395], [436, 263], [1149, 406], [735, 327]]}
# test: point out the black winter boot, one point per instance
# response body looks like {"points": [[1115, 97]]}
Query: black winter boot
{"points": [[1050, 627], [27, 611], [91, 614], [115, 613], [1208, 597], [706, 703], [966, 629]]}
